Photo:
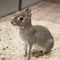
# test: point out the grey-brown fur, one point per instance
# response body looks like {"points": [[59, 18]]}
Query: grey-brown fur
{"points": [[33, 34]]}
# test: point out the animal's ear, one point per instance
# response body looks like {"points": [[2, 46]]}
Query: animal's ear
{"points": [[28, 10]]}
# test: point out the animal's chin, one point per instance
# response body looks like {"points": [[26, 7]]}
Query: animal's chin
{"points": [[14, 25]]}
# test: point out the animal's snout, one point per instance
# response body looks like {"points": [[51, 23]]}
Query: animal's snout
{"points": [[13, 23]]}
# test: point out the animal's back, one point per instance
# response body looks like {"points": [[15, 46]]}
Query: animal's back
{"points": [[42, 32], [43, 36]]}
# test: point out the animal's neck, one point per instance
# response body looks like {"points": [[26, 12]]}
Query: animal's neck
{"points": [[29, 22], [27, 25]]}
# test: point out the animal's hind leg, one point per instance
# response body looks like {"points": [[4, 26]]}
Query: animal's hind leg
{"points": [[49, 47], [37, 53]]}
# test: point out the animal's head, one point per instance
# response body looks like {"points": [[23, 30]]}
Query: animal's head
{"points": [[22, 19]]}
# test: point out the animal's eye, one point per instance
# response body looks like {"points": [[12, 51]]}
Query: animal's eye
{"points": [[21, 18]]}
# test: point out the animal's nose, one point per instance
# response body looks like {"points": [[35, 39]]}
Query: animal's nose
{"points": [[12, 22]]}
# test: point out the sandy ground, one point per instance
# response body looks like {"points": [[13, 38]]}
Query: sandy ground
{"points": [[12, 47]]}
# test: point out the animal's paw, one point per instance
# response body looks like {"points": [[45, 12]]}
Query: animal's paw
{"points": [[25, 55], [37, 53]]}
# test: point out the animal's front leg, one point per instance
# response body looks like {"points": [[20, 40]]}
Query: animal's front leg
{"points": [[26, 48], [29, 52]]}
